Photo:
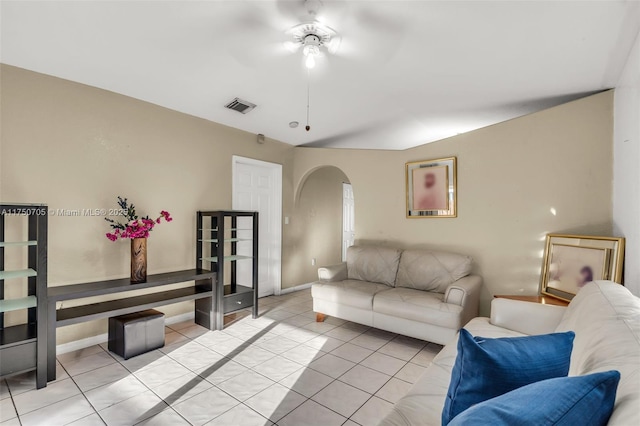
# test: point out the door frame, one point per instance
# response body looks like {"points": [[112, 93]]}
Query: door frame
{"points": [[344, 251], [276, 170]]}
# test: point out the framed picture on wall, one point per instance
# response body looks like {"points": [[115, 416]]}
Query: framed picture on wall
{"points": [[572, 261], [431, 188]]}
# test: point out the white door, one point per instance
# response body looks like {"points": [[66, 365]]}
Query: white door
{"points": [[348, 219], [257, 186]]}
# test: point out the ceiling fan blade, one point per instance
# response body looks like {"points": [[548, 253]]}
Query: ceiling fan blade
{"points": [[328, 11], [258, 33], [293, 10], [372, 36], [387, 23], [261, 31], [291, 46]]}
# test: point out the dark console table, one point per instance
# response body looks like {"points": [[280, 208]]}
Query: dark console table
{"points": [[202, 292]]}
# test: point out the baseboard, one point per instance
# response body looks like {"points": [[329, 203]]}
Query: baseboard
{"points": [[102, 338], [81, 344], [180, 318], [296, 288]]}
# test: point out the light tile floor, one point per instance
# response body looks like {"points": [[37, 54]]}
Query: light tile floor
{"points": [[282, 368]]}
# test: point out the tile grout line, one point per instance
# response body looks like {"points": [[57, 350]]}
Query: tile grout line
{"points": [[359, 408], [215, 385], [44, 406], [169, 406], [329, 384], [83, 394], [296, 322], [13, 402]]}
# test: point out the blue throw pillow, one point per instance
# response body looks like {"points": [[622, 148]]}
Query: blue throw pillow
{"points": [[564, 401], [486, 368]]}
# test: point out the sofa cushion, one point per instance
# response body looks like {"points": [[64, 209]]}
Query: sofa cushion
{"points": [[486, 368], [417, 305], [422, 405], [373, 263], [606, 319], [564, 401], [431, 270], [358, 294]]}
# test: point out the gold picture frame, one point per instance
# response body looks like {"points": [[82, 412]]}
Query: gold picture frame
{"points": [[571, 261], [431, 188]]}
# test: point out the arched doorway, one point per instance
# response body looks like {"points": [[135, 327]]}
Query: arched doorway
{"points": [[319, 225]]}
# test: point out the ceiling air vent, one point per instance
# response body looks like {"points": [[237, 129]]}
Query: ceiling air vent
{"points": [[241, 106]]}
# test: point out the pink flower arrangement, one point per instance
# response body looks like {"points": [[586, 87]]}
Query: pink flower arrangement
{"points": [[134, 227]]}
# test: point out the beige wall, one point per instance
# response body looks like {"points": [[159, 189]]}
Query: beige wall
{"points": [[510, 177], [73, 146], [316, 226]]}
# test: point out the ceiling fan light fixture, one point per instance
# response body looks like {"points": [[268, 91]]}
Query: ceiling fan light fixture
{"points": [[301, 32], [310, 62], [311, 49], [311, 44], [312, 36]]}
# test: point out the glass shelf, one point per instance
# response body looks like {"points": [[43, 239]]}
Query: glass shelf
{"points": [[7, 305], [226, 258], [17, 243], [226, 240], [23, 273]]}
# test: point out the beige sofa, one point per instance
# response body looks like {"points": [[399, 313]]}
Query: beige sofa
{"points": [[606, 319], [424, 294]]}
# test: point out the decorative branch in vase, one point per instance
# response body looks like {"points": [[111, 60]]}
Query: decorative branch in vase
{"points": [[137, 230]]}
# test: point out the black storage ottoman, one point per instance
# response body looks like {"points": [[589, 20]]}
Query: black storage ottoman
{"points": [[137, 333]]}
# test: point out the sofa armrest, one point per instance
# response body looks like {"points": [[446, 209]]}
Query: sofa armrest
{"points": [[526, 317], [332, 273], [466, 293]]}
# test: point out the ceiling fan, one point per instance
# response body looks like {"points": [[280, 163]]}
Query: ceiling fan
{"points": [[358, 31], [312, 36], [370, 33]]}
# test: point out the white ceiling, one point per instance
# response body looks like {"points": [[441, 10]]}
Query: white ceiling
{"points": [[407, 72]]}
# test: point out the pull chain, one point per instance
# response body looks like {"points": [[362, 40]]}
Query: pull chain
{"points": [[308, 127]]}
